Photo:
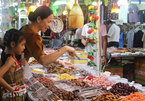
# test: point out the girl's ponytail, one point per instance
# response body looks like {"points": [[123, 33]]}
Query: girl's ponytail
{"points": [[4, 55]]}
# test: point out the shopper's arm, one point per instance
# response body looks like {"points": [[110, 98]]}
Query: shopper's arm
{"points": [[46, 59]]}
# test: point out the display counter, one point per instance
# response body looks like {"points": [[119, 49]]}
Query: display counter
{"points": [[124, 52], [132, 62], [81, 82]]}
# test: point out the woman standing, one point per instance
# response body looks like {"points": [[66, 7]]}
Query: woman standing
{"points": [[40, 21]]}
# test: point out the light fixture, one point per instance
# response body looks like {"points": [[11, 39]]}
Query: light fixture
{"points": [[61, 2], [65, 12], [32, 8], [115, 9]]}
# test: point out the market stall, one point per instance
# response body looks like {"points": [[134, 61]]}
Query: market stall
{"points": [[129, 63], [85, 80], [81, 83]]}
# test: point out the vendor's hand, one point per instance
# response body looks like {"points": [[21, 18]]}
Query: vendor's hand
{"points": [[71, 51], [104, 61]]}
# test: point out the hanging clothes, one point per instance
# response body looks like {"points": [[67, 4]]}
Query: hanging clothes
{"points": [[121, 40], [133, 13], [123, 13], [137, 42], [129, 38], [141, 15]]}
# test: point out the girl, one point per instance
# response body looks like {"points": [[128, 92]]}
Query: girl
{"points": [[11, 73]]}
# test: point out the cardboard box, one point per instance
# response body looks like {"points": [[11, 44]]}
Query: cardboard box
{"points": [[140, 70], [140, 76], [139, 80], [115, 70], [129, 71]]}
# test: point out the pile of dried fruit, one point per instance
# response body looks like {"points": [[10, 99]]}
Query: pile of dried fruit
{"points": [[57, 68], [137, 96], [122, 89], [107, 97]]}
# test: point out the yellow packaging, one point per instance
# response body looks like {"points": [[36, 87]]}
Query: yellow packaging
{"points": [[76, 61], [35, 71], [83, 58]]}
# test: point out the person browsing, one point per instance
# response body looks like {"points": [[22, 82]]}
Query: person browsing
{"points": [[40, 21]]}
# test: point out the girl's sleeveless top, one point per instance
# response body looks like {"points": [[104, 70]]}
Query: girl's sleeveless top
{"points": [[14, 76]]}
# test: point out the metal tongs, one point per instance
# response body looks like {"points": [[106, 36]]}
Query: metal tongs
{"points": [[78, 57]]}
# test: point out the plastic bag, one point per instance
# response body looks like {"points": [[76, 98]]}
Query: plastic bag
{"points": [[27, 71]]}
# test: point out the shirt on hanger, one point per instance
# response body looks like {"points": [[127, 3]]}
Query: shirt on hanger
{"points": [[133, 13], [141, 15], [123, 13], [121, 40], [130, 37], [137, 42]]}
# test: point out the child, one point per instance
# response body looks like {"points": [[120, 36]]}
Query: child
{"points": [[11, 73]]}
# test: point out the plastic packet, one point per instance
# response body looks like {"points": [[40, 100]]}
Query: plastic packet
{"points": [[43, 92], [51, 97], [88, 93], [66, 85]]}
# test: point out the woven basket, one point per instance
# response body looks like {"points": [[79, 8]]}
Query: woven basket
{"points": [[76, 17]]}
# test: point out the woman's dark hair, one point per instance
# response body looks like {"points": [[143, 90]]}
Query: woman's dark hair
{"points": [[12, 35], [42, 11]]}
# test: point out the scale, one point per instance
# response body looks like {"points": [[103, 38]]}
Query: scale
{"points": [[56, 25]]}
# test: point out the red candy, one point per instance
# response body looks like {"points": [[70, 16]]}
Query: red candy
{"points": [[98, 81]]}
